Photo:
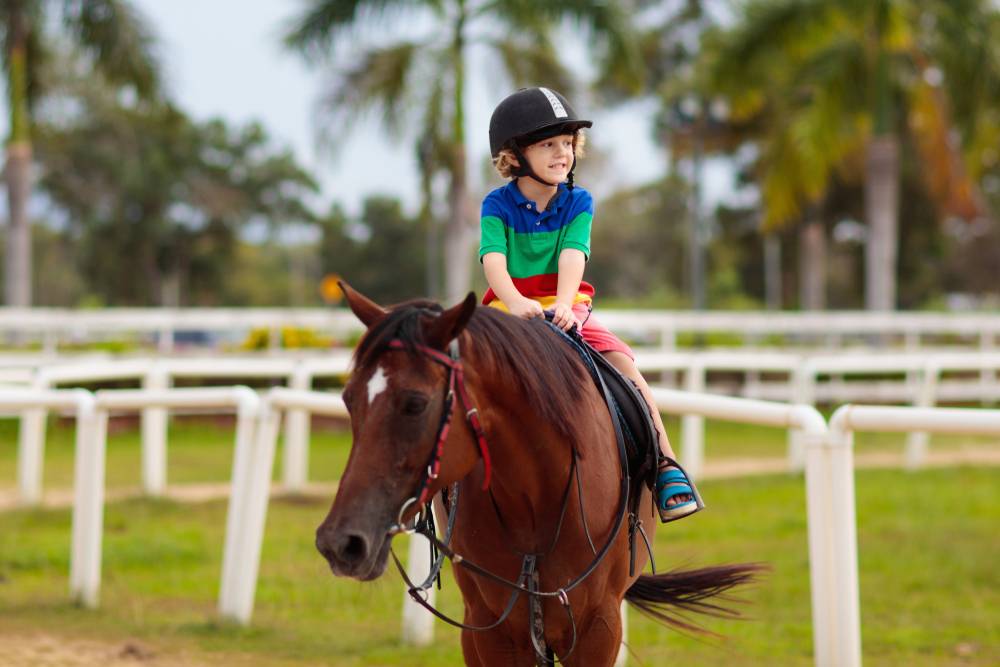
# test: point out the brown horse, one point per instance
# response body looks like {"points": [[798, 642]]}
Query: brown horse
{"points": [[541, 421]]}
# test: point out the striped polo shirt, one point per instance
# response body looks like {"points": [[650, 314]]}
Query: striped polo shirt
{"points": [[532, 239]]}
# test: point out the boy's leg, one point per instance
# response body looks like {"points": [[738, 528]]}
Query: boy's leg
{"points": [[626, 367]]}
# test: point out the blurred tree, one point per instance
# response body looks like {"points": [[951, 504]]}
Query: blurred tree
{"points": [[834, 86], [112, 38], [382, 254], [156, 201], [418, 83], [638, 242], [689, 124]]}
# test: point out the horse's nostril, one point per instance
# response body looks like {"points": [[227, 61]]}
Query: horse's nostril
{"points": [[353, 549], [342, 548]]}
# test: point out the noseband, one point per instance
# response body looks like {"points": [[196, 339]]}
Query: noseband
{"points": [[456, 386]]}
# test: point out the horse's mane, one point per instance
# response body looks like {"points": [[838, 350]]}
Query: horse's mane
{"points": [[548, 371]]}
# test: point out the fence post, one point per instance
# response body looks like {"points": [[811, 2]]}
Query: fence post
{"points": [[418, 623], [693, 426], [918, 442], [833, 546], [668, 343], [154, 434], [255, 512], [31, 447], [295, 468], [247, 412], [988, 376], [88, 507], [804, 388]]}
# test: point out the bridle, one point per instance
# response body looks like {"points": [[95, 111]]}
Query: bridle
{"points": [[456, 386], [527, 581]]}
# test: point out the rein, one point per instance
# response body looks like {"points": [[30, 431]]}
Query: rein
{"points": [[526, 582]]}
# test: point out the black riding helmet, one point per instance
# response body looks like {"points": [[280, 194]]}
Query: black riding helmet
{"points": [[529, 116]]}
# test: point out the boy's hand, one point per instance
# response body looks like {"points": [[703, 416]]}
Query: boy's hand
{"points": [[526, 308], [563, 317]]}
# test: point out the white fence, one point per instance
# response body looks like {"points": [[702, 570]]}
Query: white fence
{"points": [[827, 458], [809, 379], [829, 482], [157, 375], [52, 327]]}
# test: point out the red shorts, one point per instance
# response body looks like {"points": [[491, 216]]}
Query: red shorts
{"points": [[597, 335]]}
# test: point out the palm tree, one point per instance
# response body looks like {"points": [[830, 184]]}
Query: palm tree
{"points": [[419, 82], [113, 38], [835, 85]]}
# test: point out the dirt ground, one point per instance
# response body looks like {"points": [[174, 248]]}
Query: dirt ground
{"points": [[42, 650]]}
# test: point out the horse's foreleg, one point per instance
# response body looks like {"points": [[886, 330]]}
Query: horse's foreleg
{"points": [[495, 648], [598, 639], [469, 651]]}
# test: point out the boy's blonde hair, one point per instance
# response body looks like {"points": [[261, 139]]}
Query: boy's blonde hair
{"points": [[505, 163]]}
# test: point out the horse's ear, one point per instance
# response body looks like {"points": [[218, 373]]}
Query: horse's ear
{"points": [[443, 329], [364, 308]]}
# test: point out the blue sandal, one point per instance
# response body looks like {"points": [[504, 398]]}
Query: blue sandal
{"points": [[672, 481]]}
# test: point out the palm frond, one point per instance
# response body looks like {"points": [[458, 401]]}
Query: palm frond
{"points": [[607, 26], [944, 170], [532, 62], [770, 35], [118, 38], [315, 30], [376, 82]]}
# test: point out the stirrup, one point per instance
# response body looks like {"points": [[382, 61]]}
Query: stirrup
{"points": [[672, 481]]}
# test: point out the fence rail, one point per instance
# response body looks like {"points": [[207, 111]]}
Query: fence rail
{"points": [[920, 379], [163, 326]]}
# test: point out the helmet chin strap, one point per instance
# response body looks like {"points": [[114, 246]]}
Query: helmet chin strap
{"points": [[524, 169]]}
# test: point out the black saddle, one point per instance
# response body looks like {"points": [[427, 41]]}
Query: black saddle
{"points": [[623, 397]]}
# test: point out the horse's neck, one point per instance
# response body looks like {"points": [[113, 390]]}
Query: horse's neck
{"points": [[531, 472], [532, 466]]}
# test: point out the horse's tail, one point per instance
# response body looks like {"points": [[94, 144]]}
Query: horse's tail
{"points": [[668, 596]]}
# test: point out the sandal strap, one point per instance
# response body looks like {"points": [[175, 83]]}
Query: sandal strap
{"points": [[672, 475]]}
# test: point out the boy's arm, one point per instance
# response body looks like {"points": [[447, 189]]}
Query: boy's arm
{"points": [[571, 263], [495, 267]]}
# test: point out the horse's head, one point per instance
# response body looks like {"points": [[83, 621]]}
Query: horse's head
{"points": [[396, 396]]}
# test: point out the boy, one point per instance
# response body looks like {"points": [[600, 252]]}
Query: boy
{"points": [[536, 241]]}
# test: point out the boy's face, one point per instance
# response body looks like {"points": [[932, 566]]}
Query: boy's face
{"points": [[552, 158]]}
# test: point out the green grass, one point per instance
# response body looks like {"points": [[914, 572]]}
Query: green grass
{"points": [[198, 451], [929, 582]]}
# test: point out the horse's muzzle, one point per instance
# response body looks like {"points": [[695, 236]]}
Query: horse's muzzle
{"points": [[353, 553]]}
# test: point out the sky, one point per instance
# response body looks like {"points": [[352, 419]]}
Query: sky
{"points": [[225, 58]]}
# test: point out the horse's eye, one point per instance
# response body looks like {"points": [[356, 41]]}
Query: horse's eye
{"points": [[414, 405]]}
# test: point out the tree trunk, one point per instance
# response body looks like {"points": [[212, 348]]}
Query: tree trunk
{"points": [[17, 276], [772, 271], [17, 267], [460, 231], [170, 289], [460, 234], [881, 213], [432, 235], [812, 265]]}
